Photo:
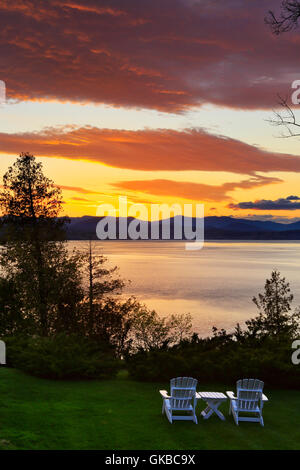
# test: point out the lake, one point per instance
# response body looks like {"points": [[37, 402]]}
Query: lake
{"points": [[215, 285]]}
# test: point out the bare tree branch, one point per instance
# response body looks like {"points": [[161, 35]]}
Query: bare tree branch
{"points": [[288, 18], [286, 118]]}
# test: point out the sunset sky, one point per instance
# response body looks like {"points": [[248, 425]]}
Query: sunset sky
{"points": [[156, 100]]}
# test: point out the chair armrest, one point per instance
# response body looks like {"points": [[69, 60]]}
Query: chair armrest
{"points": [[164, 394], [197, 396], [231, 396]]}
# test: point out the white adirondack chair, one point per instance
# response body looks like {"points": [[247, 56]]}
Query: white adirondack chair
{"points": [[249, 399], [2, 353], [182, 399]]}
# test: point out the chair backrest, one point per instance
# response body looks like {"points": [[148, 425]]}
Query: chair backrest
{"points": [[183, 383], [249, 393], [182, 399], [183, 391]]}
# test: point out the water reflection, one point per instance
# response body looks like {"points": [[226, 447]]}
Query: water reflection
{"points": [[215, 284]]}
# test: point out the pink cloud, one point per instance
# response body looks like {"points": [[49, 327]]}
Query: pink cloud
{"points": [[167, 55]]}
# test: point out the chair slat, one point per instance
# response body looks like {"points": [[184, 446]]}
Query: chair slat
{"points": [[182, 398], [249, 399]]}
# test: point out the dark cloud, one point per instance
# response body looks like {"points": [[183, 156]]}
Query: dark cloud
{"points": [[287, 203], [167, 55], [272, 218]]}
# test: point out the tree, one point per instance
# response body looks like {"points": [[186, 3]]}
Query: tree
{"points": [[30, 202], [286, 21], [112, 323], [150, 331], [288, 18], [286, 119], [101, 281], [98, 320], [34, 258], [275, 318], [12, 321]]}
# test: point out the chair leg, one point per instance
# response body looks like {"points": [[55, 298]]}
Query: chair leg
{"points": [[262, 421], [169, 415], [235, 417]]}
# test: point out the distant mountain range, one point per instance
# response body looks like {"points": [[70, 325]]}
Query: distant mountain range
{"points": [[215, 228]]}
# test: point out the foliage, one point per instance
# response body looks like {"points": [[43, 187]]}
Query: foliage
{"points": [[262, 349], [30, 203], [274, 305], [61, 357], [101, 282], [111, 322], [63, 289], [150, 331], [204, 360], [129, 326], [33, 259], [12, 321]]}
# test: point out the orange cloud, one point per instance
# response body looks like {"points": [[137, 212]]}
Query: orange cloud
{"points": [[80, 199], [94, 9], [77, 189], [151, 150], [193, 191]]}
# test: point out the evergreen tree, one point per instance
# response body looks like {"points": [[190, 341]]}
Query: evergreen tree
{"points": [[275, 318], [34, 258]]}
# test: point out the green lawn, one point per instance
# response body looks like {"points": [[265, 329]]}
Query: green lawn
{"points": [[122, 414]]}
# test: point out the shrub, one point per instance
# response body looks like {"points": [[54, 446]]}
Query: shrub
{"points": [[269, 361], [155, 365], [61, 357]]}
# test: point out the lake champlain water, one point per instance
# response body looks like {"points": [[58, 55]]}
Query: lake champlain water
{"points": [[215, 285]]}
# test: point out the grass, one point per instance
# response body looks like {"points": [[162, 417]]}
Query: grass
{"points": [[122, 414]]}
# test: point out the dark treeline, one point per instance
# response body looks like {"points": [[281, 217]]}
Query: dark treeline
{"points": [[62, 316]]}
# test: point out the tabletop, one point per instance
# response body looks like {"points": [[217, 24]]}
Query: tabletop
{"points": [[211, 395]]}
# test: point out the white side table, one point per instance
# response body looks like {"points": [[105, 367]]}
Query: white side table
{"points": [[213, 401]]}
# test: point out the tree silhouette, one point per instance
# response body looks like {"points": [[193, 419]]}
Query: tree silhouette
{"points": [[101, 281], [274, 304], [32, 259]]}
